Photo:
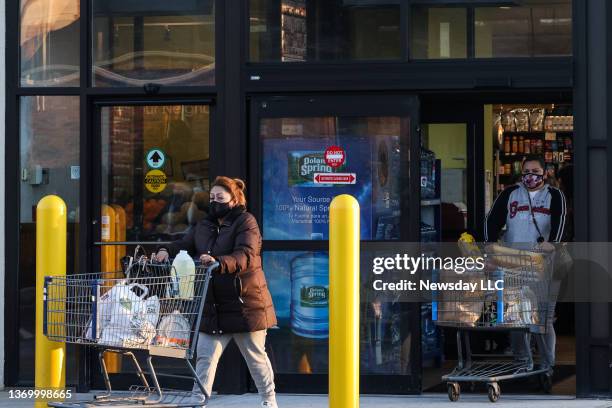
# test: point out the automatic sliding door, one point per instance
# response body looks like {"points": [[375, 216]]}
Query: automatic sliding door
{"points": [[153, 187], [310, 151]]}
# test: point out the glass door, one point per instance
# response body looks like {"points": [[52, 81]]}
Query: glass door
{"points": [[453, 182], [305, 151], [153, 177]]}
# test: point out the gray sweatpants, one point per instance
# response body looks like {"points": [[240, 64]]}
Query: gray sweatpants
{"points": [[252, 347]]}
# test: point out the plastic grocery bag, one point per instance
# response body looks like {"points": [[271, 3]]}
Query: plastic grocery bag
{"points": [[125, 318], [521, 307], [173, 331]]}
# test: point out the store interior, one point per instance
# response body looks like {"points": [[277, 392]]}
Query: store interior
{"points": [[511, 131]]}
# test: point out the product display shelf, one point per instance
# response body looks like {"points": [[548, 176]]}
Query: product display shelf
{"points": [[556, 146]]}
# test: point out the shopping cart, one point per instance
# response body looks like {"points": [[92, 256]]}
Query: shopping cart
{"points": [[523, 304], [150, 309]]}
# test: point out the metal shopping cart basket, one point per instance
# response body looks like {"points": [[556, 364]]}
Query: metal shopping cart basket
{"points": [[524, 304], [150, 309]]}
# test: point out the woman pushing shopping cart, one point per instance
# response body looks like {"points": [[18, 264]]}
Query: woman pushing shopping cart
{"points": [[238, 307], [152, 309]]}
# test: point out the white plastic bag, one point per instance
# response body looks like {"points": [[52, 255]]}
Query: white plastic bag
{"points": [[126, 319], [173, 331]]}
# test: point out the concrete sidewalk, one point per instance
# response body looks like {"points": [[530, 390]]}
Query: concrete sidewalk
{"points": [[426, 400]]}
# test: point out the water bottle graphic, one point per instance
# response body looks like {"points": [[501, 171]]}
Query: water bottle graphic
{"points": [[310, 295]]}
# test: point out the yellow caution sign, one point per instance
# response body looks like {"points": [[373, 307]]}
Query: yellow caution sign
{"points": [[155, 181]]}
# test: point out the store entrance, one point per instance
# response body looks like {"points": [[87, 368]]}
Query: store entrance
{"points": [[474, 150], [152, 172]]}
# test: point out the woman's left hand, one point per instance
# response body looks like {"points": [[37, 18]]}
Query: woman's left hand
{"points": [[207, 259]]}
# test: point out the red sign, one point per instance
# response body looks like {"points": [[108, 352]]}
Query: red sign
{"points": [[335, 178], [335, 156]]}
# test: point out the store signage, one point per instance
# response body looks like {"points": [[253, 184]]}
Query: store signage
{"points": [[303, 165], [156, 158], [155, 181], [334, 156], [335, 178]]}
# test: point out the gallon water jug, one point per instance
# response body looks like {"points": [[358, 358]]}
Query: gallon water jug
{"points": [[183, 269], [310, 295]]}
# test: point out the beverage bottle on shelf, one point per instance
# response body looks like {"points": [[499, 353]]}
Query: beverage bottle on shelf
{"points": [[521, 144], [548, 156], [514, 144], [507, 144], [527, 146]]}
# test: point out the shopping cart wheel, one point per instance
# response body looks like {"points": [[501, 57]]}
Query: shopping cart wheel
{"points": [[494, 392], [546, 382], [454, 391]]}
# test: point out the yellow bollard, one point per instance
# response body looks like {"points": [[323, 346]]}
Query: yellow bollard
{"points": [[344, 302], [51, 229], [108, 263]]}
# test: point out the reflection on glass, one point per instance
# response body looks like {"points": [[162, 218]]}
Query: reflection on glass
{"points": [[295, 197], [138, 42], [536, 28], [438, 33], [49, 35], [300, 344], [443, 210], [316, 30], [155, 168], [49, 160]]}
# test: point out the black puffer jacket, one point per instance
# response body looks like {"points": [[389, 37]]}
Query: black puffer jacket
{"points": [[238, 298]]}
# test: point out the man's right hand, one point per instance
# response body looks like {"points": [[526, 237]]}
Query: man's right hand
{"points": [[161, 256]]}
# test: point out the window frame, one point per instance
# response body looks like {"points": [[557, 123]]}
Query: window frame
{"points": [[88, 97], [406, 7], [313, 105]]}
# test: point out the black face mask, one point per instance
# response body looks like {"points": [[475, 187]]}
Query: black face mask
{"points": [[219, 210]]}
